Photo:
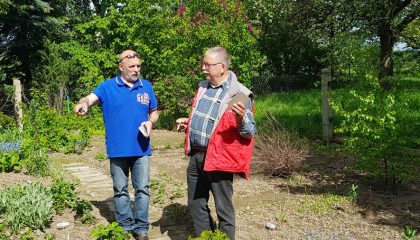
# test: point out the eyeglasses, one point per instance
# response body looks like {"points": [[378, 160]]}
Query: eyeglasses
{"points": [[209, 65], [130, 55]]}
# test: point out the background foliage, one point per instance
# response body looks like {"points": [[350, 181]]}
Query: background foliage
{"points": [[62, 50]]}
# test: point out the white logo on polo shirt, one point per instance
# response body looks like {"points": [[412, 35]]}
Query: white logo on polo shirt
{"points": [[143, 98]]}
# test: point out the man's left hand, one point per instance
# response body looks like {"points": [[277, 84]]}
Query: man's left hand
{"points": [[239, 110], [148, 125]]}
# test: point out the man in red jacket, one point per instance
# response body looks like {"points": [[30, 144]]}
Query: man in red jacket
{"points": [[219, 141]]}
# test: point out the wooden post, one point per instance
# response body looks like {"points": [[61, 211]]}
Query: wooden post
{"points": [[18, 102], [327, 126]]}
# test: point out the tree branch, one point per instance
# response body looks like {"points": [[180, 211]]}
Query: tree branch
{"points": [[407, 19], [397, 8]]}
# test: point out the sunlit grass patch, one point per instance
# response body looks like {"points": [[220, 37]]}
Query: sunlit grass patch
{"points": [[322, 204], [300, 110]]}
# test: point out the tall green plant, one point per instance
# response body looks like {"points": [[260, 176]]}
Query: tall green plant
{"points": [[377, 132], [112, 231], [210, 235], [10, 161], [45, 129]]}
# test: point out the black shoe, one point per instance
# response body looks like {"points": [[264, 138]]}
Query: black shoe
{"points": [[141, 236]]}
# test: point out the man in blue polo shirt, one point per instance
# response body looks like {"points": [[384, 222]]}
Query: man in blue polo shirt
{"points": [[128, 104]]}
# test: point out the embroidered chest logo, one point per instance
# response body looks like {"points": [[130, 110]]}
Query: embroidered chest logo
{"points": [[143, 98]]}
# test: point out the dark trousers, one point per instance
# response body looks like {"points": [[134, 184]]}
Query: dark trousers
{"points": [[200, 184]]}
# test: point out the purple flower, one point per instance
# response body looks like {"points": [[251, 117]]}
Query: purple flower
{"points": [[9, 146], [181, 10], [250, 27]]}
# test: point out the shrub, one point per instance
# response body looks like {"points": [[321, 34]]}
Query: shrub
{"points": [[83, 208], [10, 135], [87, 218], [409, 233], [279, 151], [7, 122], [379, 132], [49, 236], [27, 205], [173, 67], [64, 195], [37, 164], [10, 161], [210, 235], [112, 231], [47, 129]]}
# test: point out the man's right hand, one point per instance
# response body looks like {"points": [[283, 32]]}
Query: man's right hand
{"points": [[84, 103], [81, 108], [181, 124]]}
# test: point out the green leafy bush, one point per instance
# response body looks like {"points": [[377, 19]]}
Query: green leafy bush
{"points": [[10, 161], [77, 141], [7, 122], [28, 234], [49, 236], [37, 164], [63, 194], [378, 132], [87, 218], [2, 228], [10, 135], [46, 129], [409, 233], [210, 235], [160, 27], [29, 205], [83, 208], [112, 231]]}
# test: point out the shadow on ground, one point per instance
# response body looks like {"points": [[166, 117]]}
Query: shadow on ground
{"points": [[175, 222], [398, 206], [104, 209]]}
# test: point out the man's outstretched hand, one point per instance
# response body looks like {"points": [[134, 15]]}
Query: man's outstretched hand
{"points": [[181, 124], [81, 108]]}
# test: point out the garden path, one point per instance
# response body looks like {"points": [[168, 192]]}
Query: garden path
{"points": [[99, 188]]}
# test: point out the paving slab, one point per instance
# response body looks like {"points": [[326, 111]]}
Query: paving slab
{"points": [[99, 186]]}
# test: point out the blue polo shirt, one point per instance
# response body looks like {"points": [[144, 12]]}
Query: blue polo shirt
{"points": [[124, 109]]}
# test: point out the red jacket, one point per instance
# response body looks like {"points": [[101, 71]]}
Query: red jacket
{"points": [[227, 151]]}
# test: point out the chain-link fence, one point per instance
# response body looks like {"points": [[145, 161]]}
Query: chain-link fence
{"points": [[284, 82], [293, 100]]}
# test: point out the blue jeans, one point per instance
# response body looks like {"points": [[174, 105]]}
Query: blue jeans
{"points": [[140, 176]]}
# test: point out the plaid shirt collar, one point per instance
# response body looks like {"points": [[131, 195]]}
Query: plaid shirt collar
{"points": [[225, 84]]}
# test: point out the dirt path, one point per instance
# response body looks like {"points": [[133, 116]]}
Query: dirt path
{"points": [[310, 205]]}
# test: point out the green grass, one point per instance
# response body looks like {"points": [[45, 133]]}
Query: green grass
{"points": [[300, 111], [322, 204]]}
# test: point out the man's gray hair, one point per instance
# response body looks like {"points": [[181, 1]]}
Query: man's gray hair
{"points": [[221, 54]]}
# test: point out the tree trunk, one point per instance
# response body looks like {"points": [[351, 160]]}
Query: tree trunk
{"points": [[386, 67]]}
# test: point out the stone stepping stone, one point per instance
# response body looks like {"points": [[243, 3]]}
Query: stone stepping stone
{"points": [[99, 187]]}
